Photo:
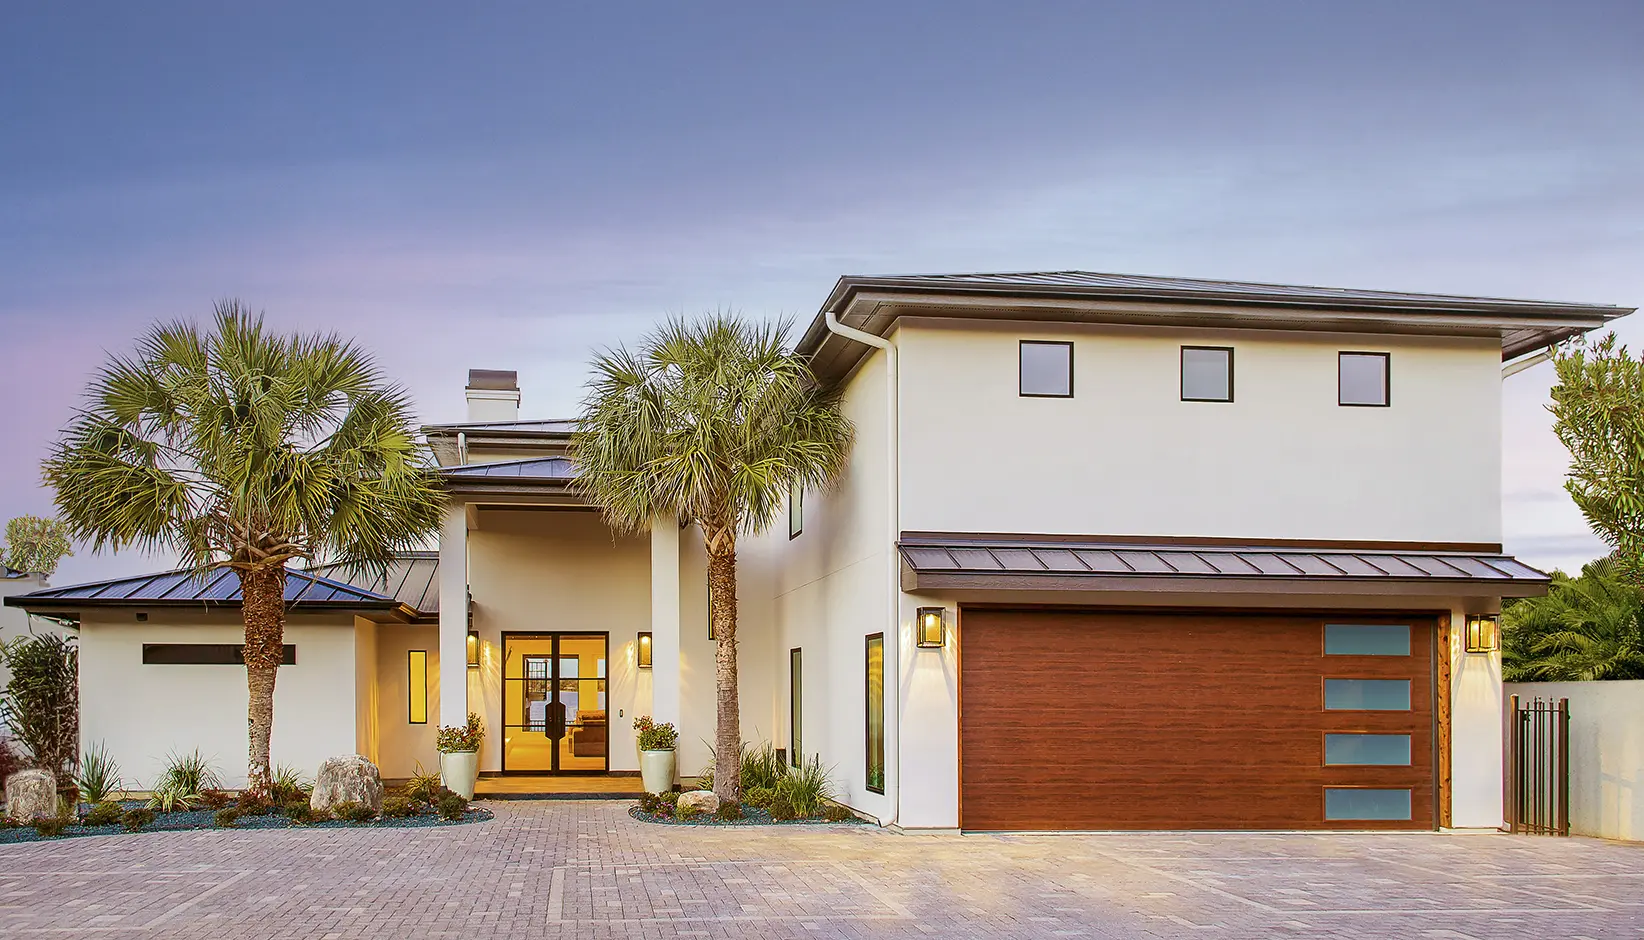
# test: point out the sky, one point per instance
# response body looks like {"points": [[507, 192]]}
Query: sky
{"points": [[516, 185]]}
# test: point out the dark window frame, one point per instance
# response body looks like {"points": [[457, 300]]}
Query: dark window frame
{"points": [[1181, 364], [411, 686], [206, 654], [796, 511], [867, 712], [1044, 342], [1386, 379], [796, 706]]}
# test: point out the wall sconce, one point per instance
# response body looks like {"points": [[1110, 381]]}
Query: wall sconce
{"points": [[473, 649], [930, 627], [1483, 633], [644, 651]]}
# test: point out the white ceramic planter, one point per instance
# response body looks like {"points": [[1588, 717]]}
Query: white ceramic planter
{"points": [[459, 770], [656, 770]]}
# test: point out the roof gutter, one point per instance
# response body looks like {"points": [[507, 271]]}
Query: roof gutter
{"points": [[893, 559], [1513, 368]]}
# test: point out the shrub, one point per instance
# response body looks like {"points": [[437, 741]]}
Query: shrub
{"points": [[685, 811], [398, 807], [41, 702], [226, 818], [834, 812], [250, 804], [452, 806], [135, 819], [169, 800], [729, 810], [647, 802], [452, 739], [99, 777], [807, 788], [183, 781], [758, 797], [214, 799], [655, 735], [761, 767], [288, 786], [103, 814], [301, 812], [424, 787], [782, 806], [51, 827], [353, 812]]}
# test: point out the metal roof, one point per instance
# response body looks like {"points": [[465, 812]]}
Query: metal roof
{"points": [[962, 561], [413, 580], [548, 469], [184, 587], [555, 426]]}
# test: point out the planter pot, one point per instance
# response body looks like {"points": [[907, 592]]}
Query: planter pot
{"points": [[656, 771], [458, 771]]}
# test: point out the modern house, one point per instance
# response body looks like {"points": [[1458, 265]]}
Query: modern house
{"points": [[1112, 552]]}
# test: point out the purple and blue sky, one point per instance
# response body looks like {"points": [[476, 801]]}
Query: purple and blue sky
{"points": [[513, 185]]}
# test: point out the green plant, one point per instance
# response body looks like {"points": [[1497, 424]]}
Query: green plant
{"points": [[1584, 628], [655, 735], [834, 812], [452, 806], [103, 814], [452, 739], [719, 424], [685, 811], [806, 787], [759, 797], [288, 785], [423, 787], [398, 807], [729, 811], [41, 700], [762, 766], [190, 773], [172, 800], [782, 807], [214, 799], [99, 777], [34, 544], [240, 448], [250, 804], [226, 818], [353, 812], [135, 819], [51, 826], [1598, 415], [301, 812]]}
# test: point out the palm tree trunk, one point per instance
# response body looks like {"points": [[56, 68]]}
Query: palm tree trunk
{"points": [[722, 612], [264, 612]]}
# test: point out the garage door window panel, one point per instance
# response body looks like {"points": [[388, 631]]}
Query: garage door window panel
{"points": [[1377, 695], [1353, 749], [1371, 804], [1366, 639]]}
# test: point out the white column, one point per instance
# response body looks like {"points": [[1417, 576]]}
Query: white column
{"points": [[665, 621], [454, 615], [1476, 732]]}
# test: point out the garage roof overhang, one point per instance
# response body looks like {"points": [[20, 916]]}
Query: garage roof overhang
{"points": [[979, 562]]}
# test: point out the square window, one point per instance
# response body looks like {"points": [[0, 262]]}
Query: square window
{"points": [[1046, 369], [1207, 373], [1365, 379]]}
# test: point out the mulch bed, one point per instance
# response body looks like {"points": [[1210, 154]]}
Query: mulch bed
{"points": [[204, 819], [750, 817]]}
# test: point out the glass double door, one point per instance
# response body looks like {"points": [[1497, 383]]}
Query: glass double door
{"points": [[554, 703]]}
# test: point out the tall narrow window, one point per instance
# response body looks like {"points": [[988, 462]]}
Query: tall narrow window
{"points": [[796, 509], [796, 707], [1207, 373], [709, 594], [1365, 379], [1046, 369], [876, 712], [418, 685]]}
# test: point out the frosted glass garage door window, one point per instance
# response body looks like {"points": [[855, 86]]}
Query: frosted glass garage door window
{"points": [[1342, 803], [1366, 639], [1385, 750], [1376, 695]]}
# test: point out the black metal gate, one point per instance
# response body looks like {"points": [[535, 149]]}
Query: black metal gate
{"points": [[1538, 767]]}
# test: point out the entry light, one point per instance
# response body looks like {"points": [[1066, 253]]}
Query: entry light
{"points": [[931, 627], [473, 649], [1483, 633], [644, 651]]}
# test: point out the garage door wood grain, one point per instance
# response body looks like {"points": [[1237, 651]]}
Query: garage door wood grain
{"points": [[1117, 720]]}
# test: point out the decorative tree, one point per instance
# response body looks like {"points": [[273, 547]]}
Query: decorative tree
{"points": [[1598, 414], [41, 700], [244, 449], [36, 545], [712, 423]]}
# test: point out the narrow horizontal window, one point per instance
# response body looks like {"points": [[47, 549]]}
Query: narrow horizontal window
{"points": [[419, 687], [1364, 379], [1207, 373], [1373, 695], [1046, 369], [1366, 803], [1366, 639], [205, 654], [1380, 750]]}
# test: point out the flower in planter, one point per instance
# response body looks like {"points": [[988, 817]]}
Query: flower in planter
{"points": [[455, 740], [654, 735]]}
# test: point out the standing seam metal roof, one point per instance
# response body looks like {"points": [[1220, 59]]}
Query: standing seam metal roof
{"points": [[183, 586]]}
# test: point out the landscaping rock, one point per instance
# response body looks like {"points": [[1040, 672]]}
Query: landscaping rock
{"points": [[350, 779], [704, 801], [31, 795]]}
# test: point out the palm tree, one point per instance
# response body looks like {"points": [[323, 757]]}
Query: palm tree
{"points": [[1584, 628], [712, 423], [247, 450]]}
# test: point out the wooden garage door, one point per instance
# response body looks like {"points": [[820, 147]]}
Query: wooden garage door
{"points": [[1105, 720]]}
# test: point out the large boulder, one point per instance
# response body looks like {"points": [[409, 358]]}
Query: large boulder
{"points": [[703, 801], [31, 795], [350, 779]]}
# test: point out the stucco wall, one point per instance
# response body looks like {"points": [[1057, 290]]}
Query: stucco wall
{"points": [[143, 713], [15, 622], [1126, 456], [402, 746], [1606, 753]]}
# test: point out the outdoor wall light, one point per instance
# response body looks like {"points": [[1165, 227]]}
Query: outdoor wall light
{"points": [[1483, 633], [473, 649], [644, 651], [930, 627]]}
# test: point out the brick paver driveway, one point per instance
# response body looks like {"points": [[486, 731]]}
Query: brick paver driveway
{"points": [[587, 870]]}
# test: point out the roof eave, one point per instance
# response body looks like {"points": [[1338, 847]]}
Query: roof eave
{"points": [[1349, 585]]}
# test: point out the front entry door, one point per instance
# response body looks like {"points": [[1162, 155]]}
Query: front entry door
{"points": [[554, 703]]}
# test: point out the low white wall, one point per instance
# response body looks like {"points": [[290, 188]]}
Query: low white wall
{"points": [[1606, 753]]}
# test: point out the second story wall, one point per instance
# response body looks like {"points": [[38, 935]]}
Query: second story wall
{"points": [[1126, 456]]}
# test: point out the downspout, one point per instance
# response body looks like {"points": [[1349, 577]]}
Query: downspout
{"points": [[894, 495], [462, 448]]}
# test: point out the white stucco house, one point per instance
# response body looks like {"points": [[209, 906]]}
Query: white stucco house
{"points": [[1112, 552]]}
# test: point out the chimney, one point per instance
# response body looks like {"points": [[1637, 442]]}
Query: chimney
{"points": [[493, 395]]}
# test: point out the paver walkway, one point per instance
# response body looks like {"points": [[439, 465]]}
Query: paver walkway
{"points": [[586, 870]]}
